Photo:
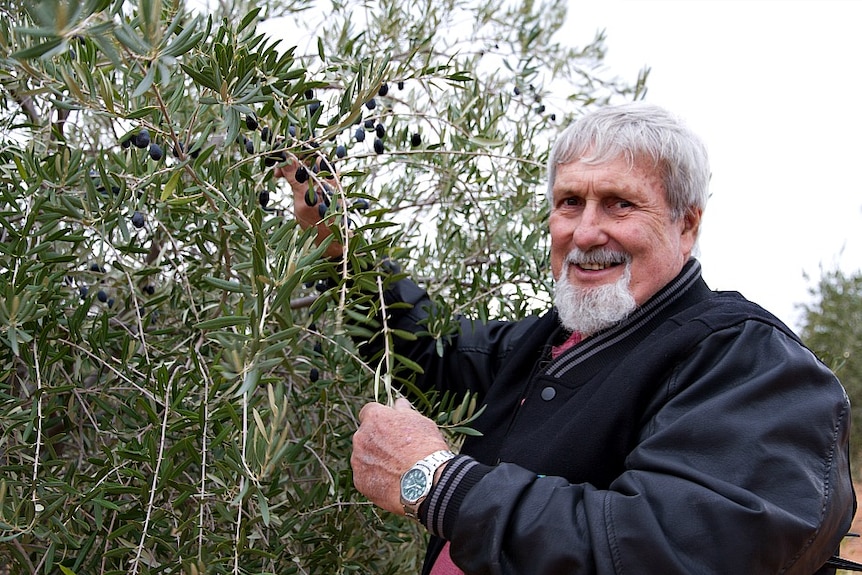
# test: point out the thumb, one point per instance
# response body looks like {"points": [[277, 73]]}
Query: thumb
{"points": [[402, 404]]}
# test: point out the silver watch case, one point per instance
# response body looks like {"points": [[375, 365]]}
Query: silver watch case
{"points": [[417, 481]]}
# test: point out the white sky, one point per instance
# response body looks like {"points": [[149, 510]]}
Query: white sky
{"points": [[775, 90]]}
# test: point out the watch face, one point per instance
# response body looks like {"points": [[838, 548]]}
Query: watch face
{"points": [[413, 485]]}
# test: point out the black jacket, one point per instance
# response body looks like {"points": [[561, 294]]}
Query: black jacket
{"points": [[699, 436]]}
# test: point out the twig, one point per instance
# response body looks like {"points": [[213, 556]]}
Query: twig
{"points": [[386, 377], [38, 446], [156, 472], [206, 393]]}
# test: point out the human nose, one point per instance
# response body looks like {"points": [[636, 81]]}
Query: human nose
{"points": [[590, 229]]}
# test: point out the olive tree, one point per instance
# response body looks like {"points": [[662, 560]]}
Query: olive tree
{"points": [[178, 362], [832, 328]]}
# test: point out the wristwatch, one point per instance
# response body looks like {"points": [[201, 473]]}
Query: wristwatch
{"points": [[417, 481]]}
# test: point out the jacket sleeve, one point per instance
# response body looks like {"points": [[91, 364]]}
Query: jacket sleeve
{"points": [[741, 468]]}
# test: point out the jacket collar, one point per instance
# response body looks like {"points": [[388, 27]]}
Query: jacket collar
{"points": [[638, 324]]}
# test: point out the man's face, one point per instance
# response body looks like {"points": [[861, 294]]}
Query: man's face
{"points": [[613, 209]]}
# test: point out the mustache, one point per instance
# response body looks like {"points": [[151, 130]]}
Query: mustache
{"points": [[603, 256]]}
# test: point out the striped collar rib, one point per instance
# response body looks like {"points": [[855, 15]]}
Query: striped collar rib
{"points": [[591, 346]]}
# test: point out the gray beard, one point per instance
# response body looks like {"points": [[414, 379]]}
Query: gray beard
{"points": [[588, 311]]}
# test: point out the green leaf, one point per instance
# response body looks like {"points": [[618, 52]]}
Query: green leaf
{"points": [[226, 285], [146, 82], [38, 50], [141, 112], [168, 189], [222, 322]]}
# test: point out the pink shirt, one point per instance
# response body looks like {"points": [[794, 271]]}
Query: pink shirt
{"points": [[443, 565]]}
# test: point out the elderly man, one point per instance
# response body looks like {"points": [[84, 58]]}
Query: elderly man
{"points": [[645, 424]]}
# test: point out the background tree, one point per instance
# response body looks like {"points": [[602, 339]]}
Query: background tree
{"points": [[832, 328], [177, 374]]}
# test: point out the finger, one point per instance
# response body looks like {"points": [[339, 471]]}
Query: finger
{"points": [[366, 409]]}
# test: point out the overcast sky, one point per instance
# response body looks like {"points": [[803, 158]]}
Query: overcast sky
{"points": [[775, 90]]}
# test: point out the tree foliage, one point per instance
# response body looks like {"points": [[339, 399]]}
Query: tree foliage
{"points": [[832, 329], [178, 374]]}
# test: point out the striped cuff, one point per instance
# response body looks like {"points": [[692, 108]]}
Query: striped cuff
{"points": [[440, 509]]}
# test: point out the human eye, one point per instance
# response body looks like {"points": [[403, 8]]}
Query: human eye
{"points": [[571, 202], [620, 205]]}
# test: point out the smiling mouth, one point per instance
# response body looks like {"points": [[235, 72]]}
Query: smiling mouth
{"points": [[591, 266], [597, 260]]}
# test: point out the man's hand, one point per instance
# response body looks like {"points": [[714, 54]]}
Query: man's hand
{"points": [[388, 442], [307, 216]]}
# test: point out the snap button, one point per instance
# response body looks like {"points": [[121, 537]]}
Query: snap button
{"points": [[548, 393]]}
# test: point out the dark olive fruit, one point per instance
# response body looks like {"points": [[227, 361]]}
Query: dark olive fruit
{"points": [[371, 104], [314, 107], [313, 374], [126, 142], [325, 167], [310, 197], [178, 147], [266, 134], [312, 326], [83, 291], [361, 204], [263, 198], [309, 94], [110, 302], [249, 146], [553, 117], [340, 151], [103, 297], [390, 266], [115, 190], [195, 153], [380, 130], [359, 135], [273, 158], [369, 124], [378, 146], [318, 347], [251, 122], [291, 130], [142, 139], [149, 289], [321, 209], [384, 89], [415, 140], [540, 109], [138, 220], [301, 175], [517, 91], [97, 268], [401, 84], [156, 152]]}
